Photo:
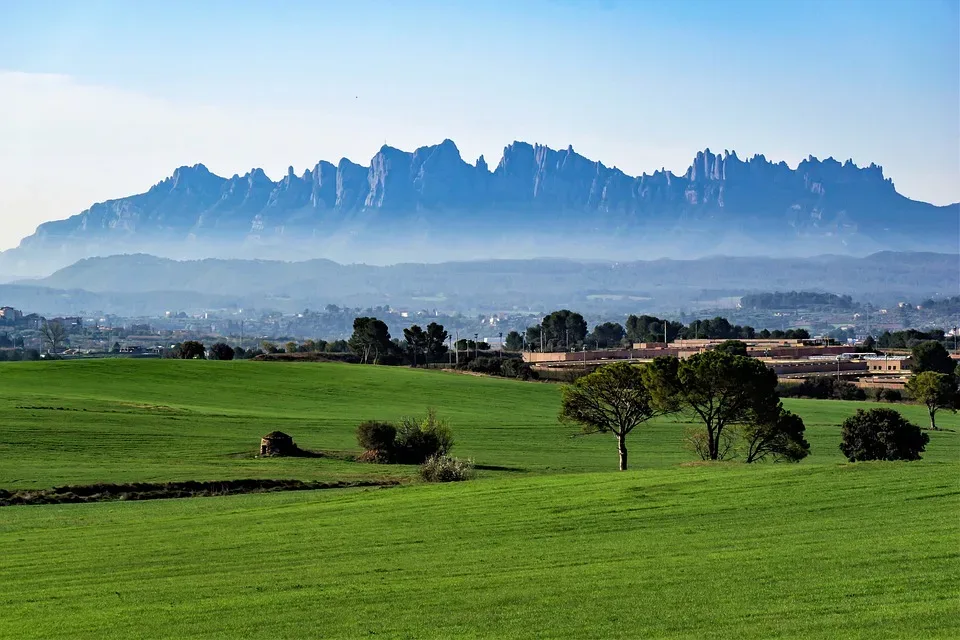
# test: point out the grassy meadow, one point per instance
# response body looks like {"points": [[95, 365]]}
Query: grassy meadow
{"points": [[549, 541]]}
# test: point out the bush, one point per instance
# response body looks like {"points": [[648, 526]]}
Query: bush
{"points": [[421, 438], [445, 469], [508, 367], [881, 434], [377, 439], [222, 351], [843, 390], [888, 395]]}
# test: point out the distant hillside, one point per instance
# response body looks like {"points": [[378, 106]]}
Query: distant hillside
{"points": [[560, 199], [506, 284]]}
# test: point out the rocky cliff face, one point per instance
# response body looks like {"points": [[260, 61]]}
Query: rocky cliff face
{"points": [[533, 187]]}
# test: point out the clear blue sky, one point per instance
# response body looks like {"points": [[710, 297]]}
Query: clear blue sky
{"points": [[103, 98]]}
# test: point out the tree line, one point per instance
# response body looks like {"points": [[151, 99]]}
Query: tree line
{"points": [[565, 330]]}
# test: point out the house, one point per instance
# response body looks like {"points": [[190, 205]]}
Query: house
{"points": [[10, 314]]}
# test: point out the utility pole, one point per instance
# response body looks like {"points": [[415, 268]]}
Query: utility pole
{"points": [[457, 347], [476, 346], [241, 334], [501, 345], [541, 337]]}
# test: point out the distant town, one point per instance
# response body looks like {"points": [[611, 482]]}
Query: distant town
{"points": [[798, 335]]}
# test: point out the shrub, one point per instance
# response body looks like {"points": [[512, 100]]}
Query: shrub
{"points": [[517, 368], [222, 351], [881, 434], [443, 468], [843, 390], [420, 438], [377, 439], [888, 395]]}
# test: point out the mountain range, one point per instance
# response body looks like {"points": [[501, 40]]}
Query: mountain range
{"points": [[544, 200], [144, 284]]}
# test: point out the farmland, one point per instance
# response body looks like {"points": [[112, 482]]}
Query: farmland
{"points": [[549, 541]]}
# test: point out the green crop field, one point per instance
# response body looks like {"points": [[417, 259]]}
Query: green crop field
{"points": [[549, 540]]}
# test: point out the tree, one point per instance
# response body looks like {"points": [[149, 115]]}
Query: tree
{"points": [[222, 351], [722, 390], [416, 341], [606, 335], [370, 338], [291, 347], [612, 399], [54, 335], [115, 348], [881, 434], [733, 347], [563, 329], [534, 338], [514, 341], [268, 347], [436, 342], [780, 438], [936, 391], [931, 356], [869, 345], [191, 350]]}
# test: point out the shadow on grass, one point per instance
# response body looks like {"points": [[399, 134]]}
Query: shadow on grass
{"points": [[157, 491], [493, 467]]}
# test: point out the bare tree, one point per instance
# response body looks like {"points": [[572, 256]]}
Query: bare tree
{"points": [[54, 335]]}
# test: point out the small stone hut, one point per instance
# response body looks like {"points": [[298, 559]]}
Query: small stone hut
{"points": [[277, 443]]}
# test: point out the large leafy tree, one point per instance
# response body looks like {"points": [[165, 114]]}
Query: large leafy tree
{"points": [[563, 329], [719, 389], [436, 341], [222, 351], [416, 341], [881, 434], [514, 341], [936, 391], [733, 347], [606, 335], [370, 338], [191, 350], [612, 399], [931, 355]]}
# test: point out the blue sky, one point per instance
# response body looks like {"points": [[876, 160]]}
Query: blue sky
{"points": [[101, 99]]}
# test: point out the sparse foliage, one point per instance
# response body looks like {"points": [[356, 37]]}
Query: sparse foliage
{"points": [[936, 391], [612, 399], [54, 336], [441, 468]]}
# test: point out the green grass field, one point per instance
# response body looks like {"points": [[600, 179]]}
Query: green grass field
{"points": [[550, 541]]}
